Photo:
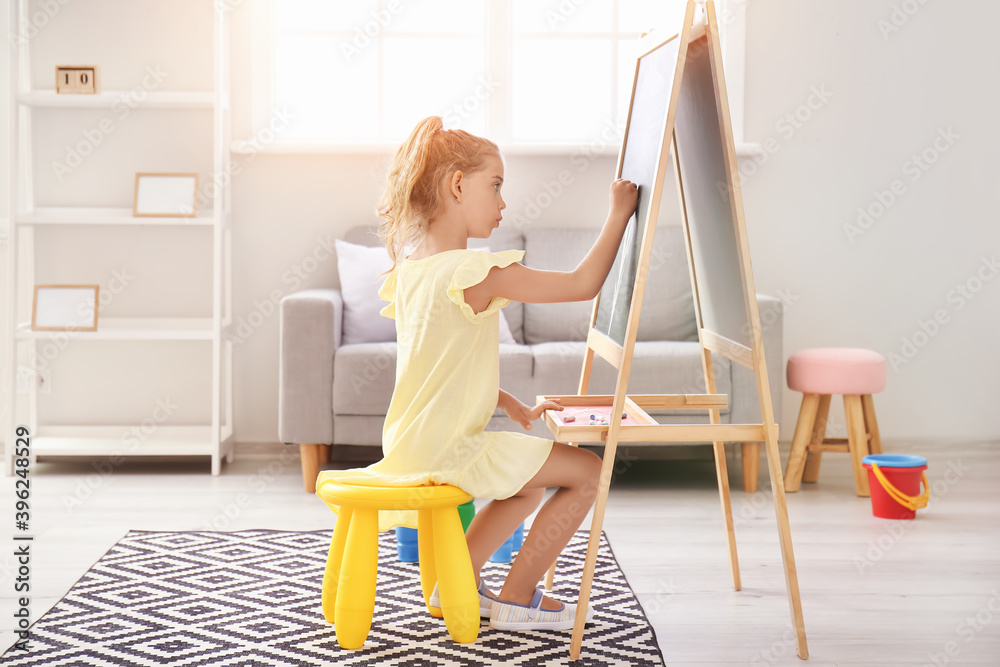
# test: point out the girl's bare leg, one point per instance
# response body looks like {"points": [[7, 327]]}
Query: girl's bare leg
{"points": [[576, 472], [496, 522]]}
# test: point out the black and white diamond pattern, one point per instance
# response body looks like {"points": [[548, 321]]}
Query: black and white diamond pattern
{"points": [[252, 599]]}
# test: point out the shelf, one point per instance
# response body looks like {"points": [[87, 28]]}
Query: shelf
{"points": [[137, 328], [86, 215], [209, 100], [156, 99], [123, 440]]}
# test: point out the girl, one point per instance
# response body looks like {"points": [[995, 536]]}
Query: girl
{"points": [[442, 189]]}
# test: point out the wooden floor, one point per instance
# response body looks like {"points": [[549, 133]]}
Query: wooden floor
{"points": [[874, 592]]}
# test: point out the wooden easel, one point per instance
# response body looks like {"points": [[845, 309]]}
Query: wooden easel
{"points": [[641, 427]]}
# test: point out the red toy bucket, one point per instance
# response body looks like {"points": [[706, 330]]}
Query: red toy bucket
{"points": [[894, 482]]}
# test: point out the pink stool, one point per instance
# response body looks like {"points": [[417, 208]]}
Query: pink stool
{"points": [[818, 373]]}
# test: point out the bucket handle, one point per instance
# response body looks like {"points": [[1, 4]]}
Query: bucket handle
{"points": [[909, 502]]}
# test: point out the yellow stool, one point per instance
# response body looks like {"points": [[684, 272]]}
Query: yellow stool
{"points": [[349, 580]]}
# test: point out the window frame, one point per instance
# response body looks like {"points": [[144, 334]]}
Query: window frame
{"points": [[732, 28]]}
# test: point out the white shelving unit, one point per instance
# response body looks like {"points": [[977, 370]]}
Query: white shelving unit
{"points": [[215, 439]]}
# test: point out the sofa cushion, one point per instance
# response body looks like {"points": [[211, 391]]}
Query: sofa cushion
{"points": [[658, 367], [557, 250], [364, 376], [667, 307]]}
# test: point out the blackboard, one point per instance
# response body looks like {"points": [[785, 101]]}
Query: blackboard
{"points": [[644, 139], [701, 163]]}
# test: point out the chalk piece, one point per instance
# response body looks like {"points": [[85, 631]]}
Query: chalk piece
{"points": [[570, 418]]}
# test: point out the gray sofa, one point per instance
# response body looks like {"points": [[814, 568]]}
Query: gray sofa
{"points": [[333, 394]]}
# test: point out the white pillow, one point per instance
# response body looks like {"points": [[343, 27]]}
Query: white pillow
{"points": [[359, 267]]}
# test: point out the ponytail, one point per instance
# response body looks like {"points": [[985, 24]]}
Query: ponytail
{"points": [[412, 196]]}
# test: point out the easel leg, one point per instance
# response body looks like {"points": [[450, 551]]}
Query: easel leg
{"points": [[722, 471], [785, 538], [590, 562]]}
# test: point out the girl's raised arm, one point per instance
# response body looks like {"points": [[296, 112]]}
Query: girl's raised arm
{"points": [[520, 283]]}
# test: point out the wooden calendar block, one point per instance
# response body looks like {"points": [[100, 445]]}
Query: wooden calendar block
{"points": [[78, 79]]}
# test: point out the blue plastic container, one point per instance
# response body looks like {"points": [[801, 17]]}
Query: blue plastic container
{"points": [[506, 551], [407, 544]]}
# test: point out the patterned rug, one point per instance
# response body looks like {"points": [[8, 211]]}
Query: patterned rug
{"points": [[252, 599]]}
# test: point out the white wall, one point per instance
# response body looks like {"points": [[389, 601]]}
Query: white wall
{"points": [[889, 97]]}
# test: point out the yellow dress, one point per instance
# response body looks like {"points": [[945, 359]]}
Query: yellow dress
{"points": [[447, 384]]}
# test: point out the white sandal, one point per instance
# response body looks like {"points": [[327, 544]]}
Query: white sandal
{"points": [[513, 616], [485, 601]]}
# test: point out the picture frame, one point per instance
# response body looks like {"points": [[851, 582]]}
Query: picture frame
{"points": [[65, 307], [165, 195]]}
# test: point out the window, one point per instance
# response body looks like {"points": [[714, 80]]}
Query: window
{"points": [[523, 72]]}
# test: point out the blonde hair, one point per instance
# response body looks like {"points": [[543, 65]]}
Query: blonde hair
{"points": [[413, 192]]}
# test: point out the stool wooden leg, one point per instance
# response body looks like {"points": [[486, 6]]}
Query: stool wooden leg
{"points": [[425, 549], [803, 430], [871, 424], [331, 576], [310, 466], [456, 583], [813, 459], [857, 441], [750, 457], [355, 603]]}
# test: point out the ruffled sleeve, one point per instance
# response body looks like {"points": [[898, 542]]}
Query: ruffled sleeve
{"points": [[471, 271], [387, 292]]}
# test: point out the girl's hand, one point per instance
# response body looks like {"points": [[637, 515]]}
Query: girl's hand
{"points": [[624, 196], [524, 415]]}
